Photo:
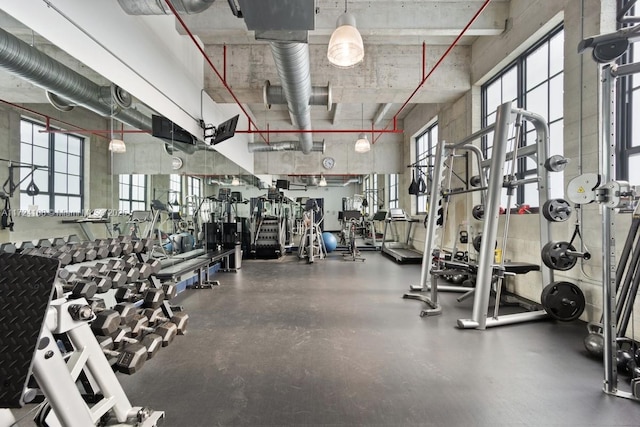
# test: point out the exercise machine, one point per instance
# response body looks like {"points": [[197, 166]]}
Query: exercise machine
{"points": [[350, 236], [311, 242], [372, 236], [399, 249]]}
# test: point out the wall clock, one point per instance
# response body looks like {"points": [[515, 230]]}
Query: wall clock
{"points": [[328, 162]]}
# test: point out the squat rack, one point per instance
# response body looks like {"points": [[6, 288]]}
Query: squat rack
{"points": [[506, 115]]}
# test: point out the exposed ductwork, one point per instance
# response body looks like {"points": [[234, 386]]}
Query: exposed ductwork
{"points": [[67, 88], [318, 146], [274, 95], [292, 64], [159, 7]]}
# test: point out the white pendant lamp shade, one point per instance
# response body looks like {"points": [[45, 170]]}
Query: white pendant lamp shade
{"points": [[362, 144], [323, 182], [117, 146], [235, 181], [345, 46]]}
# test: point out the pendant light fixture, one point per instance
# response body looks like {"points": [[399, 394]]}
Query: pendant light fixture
{"points": [[323, 181], [345, 48], [116, 145], [235, 181], [362, 143]]}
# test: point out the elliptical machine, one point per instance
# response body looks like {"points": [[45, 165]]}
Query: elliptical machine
{"points": [[311, 243]]}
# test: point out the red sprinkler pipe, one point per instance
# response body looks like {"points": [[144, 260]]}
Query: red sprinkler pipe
{"points": [[322, 131], [213, 67], [446, 53], [48, 119]]}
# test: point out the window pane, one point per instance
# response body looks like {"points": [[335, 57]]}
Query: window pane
{"points": [[75, 204], [493, 96], [634, 169], [40, 156], [42, 201], [26, 131], [40, 139], [73, 184], [25, 153], [25, 201], [537, 100], [556, 53], [556, 97], [531, 196], [556, 185], [61, 204], [73, 163], [61, 142], [556, 138], [537, 66], [60, 162], [41, 178], [635, 120], [510, 85], [60, 183], [74, 145]]}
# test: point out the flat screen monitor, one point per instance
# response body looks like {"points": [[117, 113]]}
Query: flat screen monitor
{"points": [[225, 130], [282, 184], [223, 194], [164, 128]]}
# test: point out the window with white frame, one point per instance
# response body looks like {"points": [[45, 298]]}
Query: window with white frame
{"points": [[534, 81], [194, 189], [175, 192], [60, 180], [133, 193], [425, 151], [393, 191]]}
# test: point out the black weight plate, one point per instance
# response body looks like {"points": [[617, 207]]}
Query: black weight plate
{"points": [[554, 256], [556, 210], [477, 241], [563, 301], [478, 212]]}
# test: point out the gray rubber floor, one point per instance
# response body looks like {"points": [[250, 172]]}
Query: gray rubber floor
{"points": [[284, 343]]}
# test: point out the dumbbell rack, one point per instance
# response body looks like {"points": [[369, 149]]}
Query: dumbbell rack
{"points": [[29, 321]]}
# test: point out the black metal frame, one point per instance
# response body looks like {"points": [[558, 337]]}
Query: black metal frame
{"points": [[427, 158]]}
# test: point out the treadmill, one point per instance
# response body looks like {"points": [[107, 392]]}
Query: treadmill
{"points": [[399, 249]]}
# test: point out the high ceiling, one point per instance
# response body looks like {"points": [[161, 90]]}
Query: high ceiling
{"points": [[403, 41]]}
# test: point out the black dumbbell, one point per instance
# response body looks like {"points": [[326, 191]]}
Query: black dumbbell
{"points": [[155, 316], [170, 290], [155, 264], [80, 288], [123, 337], [8, 248], [107, 322], [129, 359], [166, 331], [151, 297]]}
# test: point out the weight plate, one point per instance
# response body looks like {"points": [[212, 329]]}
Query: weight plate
{"points": [[555, 257], [478, 212], [556, 210], [556, 163], [477, 241], [563, 301]]}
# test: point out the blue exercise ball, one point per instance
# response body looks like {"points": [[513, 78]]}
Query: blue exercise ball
{"points": [[330, 241]]}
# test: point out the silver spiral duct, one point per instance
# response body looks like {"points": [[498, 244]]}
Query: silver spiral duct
{"points": [[292, 64], [274, 95], [69, 87], [256, 147], [159, 7]]}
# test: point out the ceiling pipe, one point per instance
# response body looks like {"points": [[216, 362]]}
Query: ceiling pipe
{"points": [[70, 88], [292, 64], [274, 95], [352, 181], [159, 7], [394, 120], [318, 146], [384, 108]]}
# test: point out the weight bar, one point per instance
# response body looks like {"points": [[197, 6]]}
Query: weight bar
{"points": [[556, 210], [561, 255], [563, 301]]}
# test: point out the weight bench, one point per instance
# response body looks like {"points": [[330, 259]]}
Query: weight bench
{"points": [[511, 268]]}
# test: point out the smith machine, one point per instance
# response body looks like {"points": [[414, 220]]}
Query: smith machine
{"points": [[561, 300]]}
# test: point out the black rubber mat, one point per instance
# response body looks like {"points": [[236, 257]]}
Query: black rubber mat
{"points": [[26, 285]]}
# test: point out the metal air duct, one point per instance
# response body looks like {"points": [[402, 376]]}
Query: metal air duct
{"points": [[274, 95], [256, 147], [292, 64], [159, 7], [69, 87]]}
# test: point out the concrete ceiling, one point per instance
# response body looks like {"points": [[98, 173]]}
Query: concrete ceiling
{"points": [[393, 32]]}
